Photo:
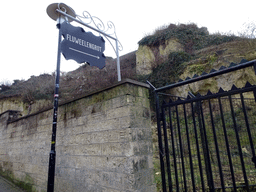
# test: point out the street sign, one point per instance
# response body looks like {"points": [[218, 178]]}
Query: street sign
{"points": [[82, 46]]}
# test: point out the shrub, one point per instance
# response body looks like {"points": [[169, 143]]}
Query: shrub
{"points": [[4, 87], [178, 57], [190, 35], [169, 71]]}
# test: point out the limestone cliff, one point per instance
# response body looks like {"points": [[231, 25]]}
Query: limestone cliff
{"points": [[148, 56], [213, 58], [144, 60]]}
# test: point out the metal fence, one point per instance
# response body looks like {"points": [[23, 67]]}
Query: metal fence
{"points": [[207, 143]]}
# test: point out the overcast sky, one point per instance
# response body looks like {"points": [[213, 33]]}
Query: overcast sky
{"points": [[29, 37]]}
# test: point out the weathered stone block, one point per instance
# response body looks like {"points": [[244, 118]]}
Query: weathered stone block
{"points": [[112, 149], [118, 112]]}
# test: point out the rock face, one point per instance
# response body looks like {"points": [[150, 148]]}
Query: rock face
{"points": [[144, 60], [226, 81], [171, 45], [213, 57], [147, 57]]}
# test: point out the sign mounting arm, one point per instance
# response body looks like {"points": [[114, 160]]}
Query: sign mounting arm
{"points": [[99, 30]]}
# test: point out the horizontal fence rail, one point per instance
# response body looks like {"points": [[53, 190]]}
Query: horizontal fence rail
{"points": [[213, 73]]}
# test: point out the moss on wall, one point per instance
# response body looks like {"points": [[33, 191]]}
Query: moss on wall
{"points": [[26, 183]]}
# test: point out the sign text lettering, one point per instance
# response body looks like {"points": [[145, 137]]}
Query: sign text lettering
{"points": [[83, 43]]}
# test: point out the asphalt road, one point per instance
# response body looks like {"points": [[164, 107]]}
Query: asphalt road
{"points": [[7, 186]]}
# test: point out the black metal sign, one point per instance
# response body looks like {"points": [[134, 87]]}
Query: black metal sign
{"points": [[82, 46]]}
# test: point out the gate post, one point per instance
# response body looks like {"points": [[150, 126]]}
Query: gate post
{"points": [[160, 142], [159, 133]]}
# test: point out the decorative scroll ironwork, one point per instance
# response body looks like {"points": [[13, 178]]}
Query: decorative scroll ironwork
{"points": [[62, 8], [108, 29]]}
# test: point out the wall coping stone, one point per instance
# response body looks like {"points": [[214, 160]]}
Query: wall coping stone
{"points": [[124, 81]]}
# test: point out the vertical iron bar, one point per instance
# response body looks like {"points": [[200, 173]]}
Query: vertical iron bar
{"points": [[52, 156], [160, 143], [181, 148], [189, 150], [205, 147], [167, 150], [174, 152], [227, 145], [254, 93], [118, 62], [216, 147], [197, 148], [248, 128], [238, 143]]}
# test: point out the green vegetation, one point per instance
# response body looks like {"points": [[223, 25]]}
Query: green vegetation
{"points": [[26, 184], [74, 84], [168, 72], [190, 35], [36, 88]]}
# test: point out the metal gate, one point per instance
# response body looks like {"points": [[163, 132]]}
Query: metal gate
{"points": [[207, 142]]}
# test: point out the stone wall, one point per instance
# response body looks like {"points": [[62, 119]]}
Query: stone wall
{"points": [[103, 143]]}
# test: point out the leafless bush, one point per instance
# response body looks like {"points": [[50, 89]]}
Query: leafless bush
{"points": [[249, 30]]}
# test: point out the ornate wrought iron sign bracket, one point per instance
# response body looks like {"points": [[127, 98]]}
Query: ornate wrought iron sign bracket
{"points": [[94, 23]]}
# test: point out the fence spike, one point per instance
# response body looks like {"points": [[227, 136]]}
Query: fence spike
{"points": [[212, 71], [187, 78], [248, 84], [204, 73], [221, 90], [221, 68], [188, 97], [170, 101], [180, 80], [243, 61], [198, 95], [254, 66], [232, 64], [234, 87], [254, 93], [209, 92], [195, 76]]}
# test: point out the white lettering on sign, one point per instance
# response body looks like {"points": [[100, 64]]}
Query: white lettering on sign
{"points": [[83, 43]]}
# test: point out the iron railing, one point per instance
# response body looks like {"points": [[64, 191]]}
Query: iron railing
{"points": [[207, 143]]}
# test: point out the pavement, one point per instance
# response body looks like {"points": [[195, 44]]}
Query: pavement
{"points": [[7, 186]]}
